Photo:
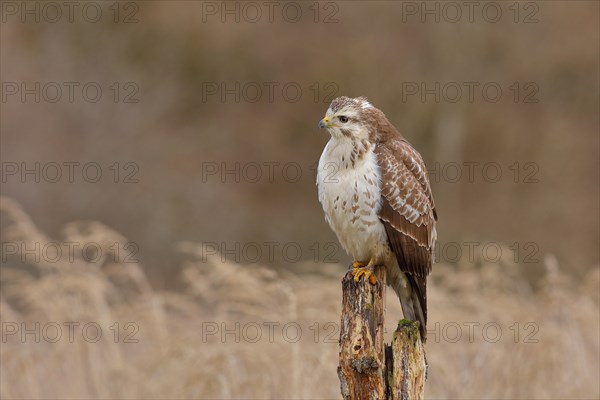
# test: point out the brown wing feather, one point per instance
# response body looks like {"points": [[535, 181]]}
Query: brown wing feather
{"points": [[408, 211], [415, 260]]}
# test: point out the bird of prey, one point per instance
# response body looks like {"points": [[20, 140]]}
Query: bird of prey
{"points": [[374, 188]]}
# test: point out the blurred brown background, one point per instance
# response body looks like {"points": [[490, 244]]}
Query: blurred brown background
{"points": [[179, 108]]}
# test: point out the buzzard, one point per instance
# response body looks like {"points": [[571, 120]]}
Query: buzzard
{"points": [[374, 189]]}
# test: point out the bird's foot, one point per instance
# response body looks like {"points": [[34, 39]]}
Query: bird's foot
{"points": [[368, 271]]}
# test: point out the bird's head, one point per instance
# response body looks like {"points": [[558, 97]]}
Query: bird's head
{"points": [[348, 118]]}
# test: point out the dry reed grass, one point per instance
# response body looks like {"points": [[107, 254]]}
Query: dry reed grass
{"points": [[176, 357]]}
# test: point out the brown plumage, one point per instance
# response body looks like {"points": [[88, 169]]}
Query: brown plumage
{"points": [[404, 206], [408, 210]]}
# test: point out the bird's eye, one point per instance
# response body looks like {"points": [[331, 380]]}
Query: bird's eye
{"points": [[343, 118]]}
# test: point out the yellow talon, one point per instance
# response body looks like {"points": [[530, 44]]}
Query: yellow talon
{"points": [[373, 279], [360, 269]]}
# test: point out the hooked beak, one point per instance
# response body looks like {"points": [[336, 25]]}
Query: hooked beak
{"points": [[324, 123]]}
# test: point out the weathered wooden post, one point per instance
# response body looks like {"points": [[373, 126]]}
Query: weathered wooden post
{"points": [[362, 349], [369, 369], [405, 363]]}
